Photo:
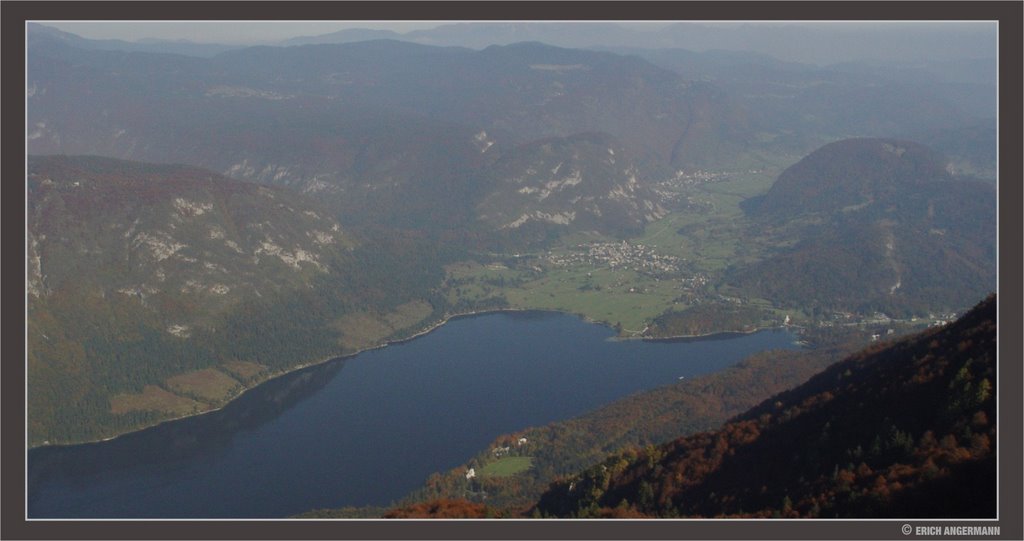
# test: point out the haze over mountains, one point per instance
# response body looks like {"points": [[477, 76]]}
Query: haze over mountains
{"points": [[229, 213], [41, 36], [816, 43], [335, 119], [338, 118]]}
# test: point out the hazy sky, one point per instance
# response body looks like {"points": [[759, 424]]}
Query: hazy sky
{"points": [[247, 32], [255, 32], [817, 42]]}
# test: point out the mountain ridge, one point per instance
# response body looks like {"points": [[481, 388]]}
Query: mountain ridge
{"points": [[364, 123], [852, 172], [858, 217]]}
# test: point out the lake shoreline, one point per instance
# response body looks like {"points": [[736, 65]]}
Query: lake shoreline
{"points": [[398, 341], [714, 335], [340, 357], [410, 410]]}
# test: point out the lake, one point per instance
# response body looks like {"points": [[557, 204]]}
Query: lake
{"points": [[368, 429]]}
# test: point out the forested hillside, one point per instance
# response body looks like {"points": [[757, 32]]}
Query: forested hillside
{"points": [[903, 430], [873, 225], [157, 291]]}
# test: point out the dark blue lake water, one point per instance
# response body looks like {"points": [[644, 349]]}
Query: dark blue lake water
{"points": [[368, 429]]}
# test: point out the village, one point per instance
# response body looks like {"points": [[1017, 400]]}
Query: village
{"points": [[884, 323], [619, 255], [686, 179]]}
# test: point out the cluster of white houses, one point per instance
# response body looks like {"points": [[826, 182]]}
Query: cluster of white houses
{"points": [[619, 255]]}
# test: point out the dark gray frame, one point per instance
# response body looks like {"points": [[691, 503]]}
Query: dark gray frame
{"points": [[1009, 14]]}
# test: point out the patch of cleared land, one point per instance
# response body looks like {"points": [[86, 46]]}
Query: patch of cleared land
{"points": [[408, 314], [504, 467], [366, 329], [610, 296], [361, 330], [153, 398], [243, 370], [208, 384]]}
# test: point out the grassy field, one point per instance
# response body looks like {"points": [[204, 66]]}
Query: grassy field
{"points": [[714, 238], [662, 233], [208, 384], [475, 282], [187, 393], [243, 370], [361, 330], [504, 467], [153, 398], [707, 240], [408, 314], [601, 294], [611, 296]]}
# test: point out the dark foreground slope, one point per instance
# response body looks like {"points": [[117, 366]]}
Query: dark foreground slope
{"points": [[904, 430]]}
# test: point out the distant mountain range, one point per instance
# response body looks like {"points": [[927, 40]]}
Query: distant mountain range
{"points": [[800, 106], [345, 120], [821, 43], [348, 121], [43, 36], [814, 43]]}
